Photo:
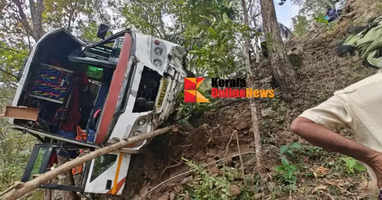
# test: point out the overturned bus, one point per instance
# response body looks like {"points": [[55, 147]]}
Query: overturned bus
{"points": [[75, 97]]}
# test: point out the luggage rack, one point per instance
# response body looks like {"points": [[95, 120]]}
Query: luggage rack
{"points": [[53, 85]]}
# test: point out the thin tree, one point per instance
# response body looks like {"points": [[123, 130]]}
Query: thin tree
{"points": [[282, 69], [253, 106]]}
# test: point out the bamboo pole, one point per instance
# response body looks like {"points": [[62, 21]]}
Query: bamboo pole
{"points": [[31, 185]]}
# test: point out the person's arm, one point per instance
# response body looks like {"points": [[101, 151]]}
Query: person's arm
{"points": [[332, 141]]}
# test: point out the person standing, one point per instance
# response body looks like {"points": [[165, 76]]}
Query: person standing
{"points": [[359, 107]]}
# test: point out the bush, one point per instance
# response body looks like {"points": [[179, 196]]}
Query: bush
{"points": [[15, 149], [206, 186]]}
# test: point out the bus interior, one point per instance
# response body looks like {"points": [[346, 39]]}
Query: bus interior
{"points": [[68, 82]]}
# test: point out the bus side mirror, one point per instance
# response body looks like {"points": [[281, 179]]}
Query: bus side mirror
{"points": [[102, 30]]}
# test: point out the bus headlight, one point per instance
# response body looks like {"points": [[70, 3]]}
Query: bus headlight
{"points": [[157, 62], [158, 51]]}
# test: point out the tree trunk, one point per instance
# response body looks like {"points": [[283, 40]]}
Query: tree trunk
{"points": [[253, 106], [23, 188], [282, 70], [36, 9]]}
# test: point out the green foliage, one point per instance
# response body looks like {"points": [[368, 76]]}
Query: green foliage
{"points": [[324, 22], [210, 36], [290, 149], [379, 7], [16, 33], [191, 112], [208, 187], [352, 166], [63, 13], [314, 152], [207, 29], [89, 33], [313, 7], [148, 16], [321, 19], [15, 150], [310, 9], [11, 60], [300, 25], [286, 172]]}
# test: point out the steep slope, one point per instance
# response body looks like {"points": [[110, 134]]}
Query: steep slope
{"points": [[318, 174]]}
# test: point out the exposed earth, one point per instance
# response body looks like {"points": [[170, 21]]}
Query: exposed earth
{"points": [[161, 172]]}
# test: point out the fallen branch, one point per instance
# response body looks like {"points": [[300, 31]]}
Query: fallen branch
{"points": [[31, 185]]}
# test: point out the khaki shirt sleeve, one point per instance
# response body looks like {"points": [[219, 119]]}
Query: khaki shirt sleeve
{"points": [[332, 113]]}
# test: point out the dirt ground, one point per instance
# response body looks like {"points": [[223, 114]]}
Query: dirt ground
{"points": [[161, 173]]}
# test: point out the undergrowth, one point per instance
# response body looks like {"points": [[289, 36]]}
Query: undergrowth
{"points": [[227, 185]]}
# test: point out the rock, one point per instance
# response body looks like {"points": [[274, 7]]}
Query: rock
{"points": [[234, 190]]}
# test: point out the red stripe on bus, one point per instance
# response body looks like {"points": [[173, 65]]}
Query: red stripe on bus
{"points": [[119, 186], [109, 107]]}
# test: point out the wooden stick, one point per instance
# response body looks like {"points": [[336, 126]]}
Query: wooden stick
{"points": [[227, 145], [255, 107], [43, 178], [240, 157]]}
